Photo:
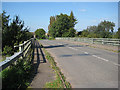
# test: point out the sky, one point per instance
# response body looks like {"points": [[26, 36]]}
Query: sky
{"points": [[37, 14]]}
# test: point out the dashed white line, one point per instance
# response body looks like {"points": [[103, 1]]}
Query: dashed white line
{"points": [[72, 48], [94, 55], [97, 57], [115, 63], [100, 58], [86, 52]]}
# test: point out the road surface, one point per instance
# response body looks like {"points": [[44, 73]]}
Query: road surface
{"points": [[83, 66]]}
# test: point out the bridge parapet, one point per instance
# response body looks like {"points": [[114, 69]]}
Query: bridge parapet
{"points": [[23, 50], [103, 41]]}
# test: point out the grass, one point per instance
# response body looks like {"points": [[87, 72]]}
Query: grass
{"points": [[51, 38], [55, 84], [39, 39], [60, 81]]}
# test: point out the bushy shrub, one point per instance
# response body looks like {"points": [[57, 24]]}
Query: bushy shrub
{"points": [[8, 51]]}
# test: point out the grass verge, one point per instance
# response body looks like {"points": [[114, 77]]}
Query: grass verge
{"points": [[60, 81]]}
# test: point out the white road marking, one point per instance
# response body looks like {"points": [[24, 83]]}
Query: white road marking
{"points": [[86, 52], [100, 58], [115, 64], [95, 56], [72, 48]]}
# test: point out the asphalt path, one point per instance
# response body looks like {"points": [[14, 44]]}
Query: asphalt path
{"points": [[83, 66]]}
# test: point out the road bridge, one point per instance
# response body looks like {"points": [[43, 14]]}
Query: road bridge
{"points": [[83, 66]]}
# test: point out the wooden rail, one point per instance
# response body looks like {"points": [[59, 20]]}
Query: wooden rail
{"points": [[23, 50], [104, 41]]}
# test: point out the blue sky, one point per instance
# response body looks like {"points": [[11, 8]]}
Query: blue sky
{"points": [[37, 14]]}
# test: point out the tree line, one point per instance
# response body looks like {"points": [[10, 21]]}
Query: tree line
{"points": [[63, 26], [14, 32], [105, 29]]}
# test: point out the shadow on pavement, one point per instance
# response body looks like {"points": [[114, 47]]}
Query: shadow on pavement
{"points": [[37, 51]]}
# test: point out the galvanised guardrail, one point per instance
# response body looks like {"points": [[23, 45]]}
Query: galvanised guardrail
{"points": [[103, 41], [23, 50]]}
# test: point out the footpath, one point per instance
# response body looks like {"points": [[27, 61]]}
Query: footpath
{"points": [[42, 71]]}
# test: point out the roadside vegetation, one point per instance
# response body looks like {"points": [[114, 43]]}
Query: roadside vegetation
{"points": [[13, 33], [17, 75], [60, 81], [105, 29], [40, 33]]}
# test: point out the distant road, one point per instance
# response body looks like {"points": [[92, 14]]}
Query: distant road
{"points": [[85, 67]]}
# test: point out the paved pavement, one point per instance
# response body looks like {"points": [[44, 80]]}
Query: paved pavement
{"points": [[42, 71], [83, 66]]}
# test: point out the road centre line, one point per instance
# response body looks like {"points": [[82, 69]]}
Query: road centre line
{"points": [[116, 64], [72, 48], [86, 52], [97, 57], [100, 58]]}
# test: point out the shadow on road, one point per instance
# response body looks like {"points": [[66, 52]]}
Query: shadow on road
{"points": [[71, 55], [55, 46], [75, 45]]}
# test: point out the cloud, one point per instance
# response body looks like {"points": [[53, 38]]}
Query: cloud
{"points": [[83, 10]]}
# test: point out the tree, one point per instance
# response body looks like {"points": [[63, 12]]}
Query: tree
{"points": [[5, 20], [61, 26], [5, 27], [40, 33], [13, 33], [107, 25], [79, 33], [71, 33], [117, 35], [52, 19], [73, 21], [103, 30], [85, 33]]}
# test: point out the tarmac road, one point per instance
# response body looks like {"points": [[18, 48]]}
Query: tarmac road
{"points": [[83, 66]]}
